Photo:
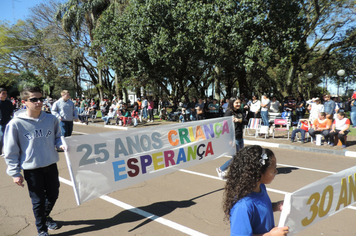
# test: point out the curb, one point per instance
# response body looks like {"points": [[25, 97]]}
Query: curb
{"points": [[304, 149]]}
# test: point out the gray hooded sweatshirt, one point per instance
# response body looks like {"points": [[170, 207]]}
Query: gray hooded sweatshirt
{"points": [[64, 110], [30, 143]]}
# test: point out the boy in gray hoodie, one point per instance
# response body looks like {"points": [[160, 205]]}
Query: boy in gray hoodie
{"points": [[30, 141]]}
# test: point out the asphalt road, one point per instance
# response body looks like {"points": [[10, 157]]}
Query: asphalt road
{"points": [[186, 202]]}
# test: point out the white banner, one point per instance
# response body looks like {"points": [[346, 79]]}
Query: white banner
{"points": [[318, 200], [105, 162]]}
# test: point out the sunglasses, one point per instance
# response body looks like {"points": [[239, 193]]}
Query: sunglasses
{"points": [[36, 99]]}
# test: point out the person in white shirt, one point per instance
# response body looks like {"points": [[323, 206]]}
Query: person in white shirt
{"points": [[264, 109], [255, 106], [340, 127], [109, 116], [314, 108]]}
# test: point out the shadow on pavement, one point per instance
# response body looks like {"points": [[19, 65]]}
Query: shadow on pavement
{"points": [[285, 170], [155, 210]]}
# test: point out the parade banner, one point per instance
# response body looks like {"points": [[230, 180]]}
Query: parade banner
{"points": [[105, 162], [318, 200]]}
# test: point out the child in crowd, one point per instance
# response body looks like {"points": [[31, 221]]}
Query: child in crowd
{"points": [[31, 139], [246, 202], [304, 127], [181, 116], [163, 114], [83, 116]]}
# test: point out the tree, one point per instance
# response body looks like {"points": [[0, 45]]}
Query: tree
{"points": [[74, 13]]}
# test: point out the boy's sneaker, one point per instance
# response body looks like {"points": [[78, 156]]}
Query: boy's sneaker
{"points": [[343, 146], [51, 224], [292, 141], [331, 145], [43, 233], [221, 173]]}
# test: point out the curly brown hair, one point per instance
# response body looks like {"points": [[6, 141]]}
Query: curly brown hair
{"points": [[244, 172]]}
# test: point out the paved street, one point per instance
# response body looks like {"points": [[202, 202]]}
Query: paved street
{"points": [[186, 202]]}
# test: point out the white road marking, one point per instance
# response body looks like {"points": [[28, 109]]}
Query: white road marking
{"points": [[145, 214]]}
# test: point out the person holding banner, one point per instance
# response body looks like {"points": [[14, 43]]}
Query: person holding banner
{"points": [[31, 139], [234, 109], [246, 202]]}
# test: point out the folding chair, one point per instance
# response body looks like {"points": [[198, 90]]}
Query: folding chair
{"points": [[281, 125], [263, 130], [254, 124]]}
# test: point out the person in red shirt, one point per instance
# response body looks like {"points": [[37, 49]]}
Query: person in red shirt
{"points": [[339, 127], [304, 127]]}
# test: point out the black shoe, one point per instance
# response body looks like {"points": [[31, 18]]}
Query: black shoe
{"points": [[292, 140], [51, 225]]}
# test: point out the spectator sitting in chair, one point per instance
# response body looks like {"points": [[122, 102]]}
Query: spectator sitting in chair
{"points": [[340, 127], [109, 116], [163, 113], [83, 117], [304, 127], [193, 114], [321, 125], [125, 114]]}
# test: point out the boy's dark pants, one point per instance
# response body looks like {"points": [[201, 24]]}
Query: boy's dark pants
{"points": [[43, 186]]}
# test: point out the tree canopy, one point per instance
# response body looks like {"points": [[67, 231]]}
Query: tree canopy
{"points": [[183, 47]]}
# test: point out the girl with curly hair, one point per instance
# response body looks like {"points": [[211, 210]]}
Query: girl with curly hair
{"points": [[246, 202]]}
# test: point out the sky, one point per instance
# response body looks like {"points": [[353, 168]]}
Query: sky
{"points": [[14, 10]]}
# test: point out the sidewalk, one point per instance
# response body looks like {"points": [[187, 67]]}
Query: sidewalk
{"points": [[349, 151]]}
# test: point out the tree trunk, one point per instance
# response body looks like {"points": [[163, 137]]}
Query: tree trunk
{"points": [[100, 84], [243, 86]]}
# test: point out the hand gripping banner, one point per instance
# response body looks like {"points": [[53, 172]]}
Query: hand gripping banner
{"points": [[105, 162]]}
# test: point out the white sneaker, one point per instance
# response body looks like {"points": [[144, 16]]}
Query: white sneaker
{"points": [[221, 173]]}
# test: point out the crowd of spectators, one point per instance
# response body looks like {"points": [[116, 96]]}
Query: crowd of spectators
{"points": [[191, 109]]}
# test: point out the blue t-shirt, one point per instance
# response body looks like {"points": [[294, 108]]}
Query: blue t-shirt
{"points": [[253, 214]]}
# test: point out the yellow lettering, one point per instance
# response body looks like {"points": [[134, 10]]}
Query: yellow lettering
{"points": [[313, 209], [156, 160], [191, 134], [343, 194], [329, 189], [352, 189]]}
